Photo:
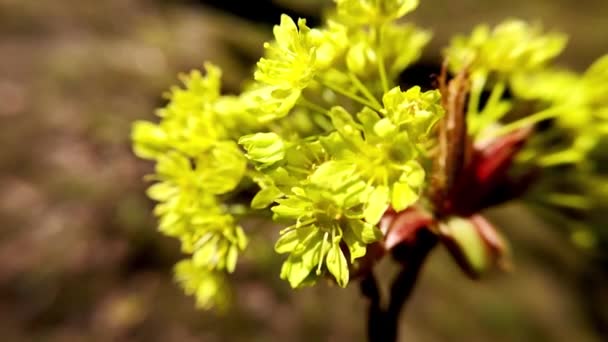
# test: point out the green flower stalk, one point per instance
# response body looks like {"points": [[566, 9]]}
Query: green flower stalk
{"points": [[354, 167]]}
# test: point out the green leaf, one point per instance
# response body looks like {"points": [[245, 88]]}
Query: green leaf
{"points": [[377, 204], [337, 265]]}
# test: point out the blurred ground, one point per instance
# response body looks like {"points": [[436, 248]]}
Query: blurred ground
{"points": [[80, 259]]}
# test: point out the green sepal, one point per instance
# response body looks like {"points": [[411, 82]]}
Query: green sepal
{"points": [[364, 231], [377, 204], [292, 208], [287, 242], [265, 197], [304, 256], [345, 124], [385, 128], [403, 196], [264, 148], [356, 247], [162, 191], [337, 265]]}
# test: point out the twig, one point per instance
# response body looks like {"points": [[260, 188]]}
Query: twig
{"points": [[383, 324], [375, 313]]}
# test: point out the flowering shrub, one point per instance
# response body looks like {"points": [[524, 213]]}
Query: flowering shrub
{"points": [[353, 166]]}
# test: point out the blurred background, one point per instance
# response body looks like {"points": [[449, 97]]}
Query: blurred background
{"points": [[80, 257]]}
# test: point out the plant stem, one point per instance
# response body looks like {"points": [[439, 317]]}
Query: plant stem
{"points": [[490, 113], [383, 323], [476, 89], [382, 70], [381, 66], [350, 95], [363, 89], [531, 120], [375, 313], [311, 105]]}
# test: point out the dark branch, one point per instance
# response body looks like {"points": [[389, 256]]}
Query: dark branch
{"points": [[383, 323], [375, 313]]}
